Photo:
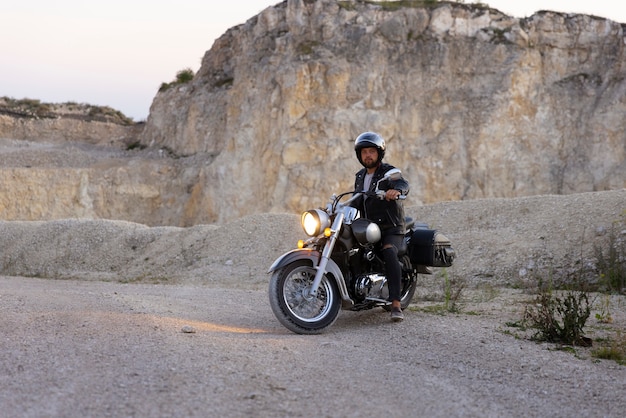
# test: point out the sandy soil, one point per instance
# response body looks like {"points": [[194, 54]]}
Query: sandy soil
{"points": [[138, 321], [90, 348]]}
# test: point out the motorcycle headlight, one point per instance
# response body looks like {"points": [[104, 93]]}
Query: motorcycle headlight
{"points": [[314, 222]]}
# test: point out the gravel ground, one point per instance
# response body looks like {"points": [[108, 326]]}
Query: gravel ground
{"points": [[176, 322], [90, 348]]}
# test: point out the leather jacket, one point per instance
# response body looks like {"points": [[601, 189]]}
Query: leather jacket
{"points": [[389, 215]]}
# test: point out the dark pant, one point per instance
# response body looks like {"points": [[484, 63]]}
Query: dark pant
{"points": [[392, 264]]}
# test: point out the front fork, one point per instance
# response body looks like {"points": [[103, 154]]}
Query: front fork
{"points": [[326, 253]]}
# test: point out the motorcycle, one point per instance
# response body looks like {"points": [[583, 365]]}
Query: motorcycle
{"points": [[340, 265]]}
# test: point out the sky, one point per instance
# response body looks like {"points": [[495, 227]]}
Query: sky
{"points": [[117, 53]]}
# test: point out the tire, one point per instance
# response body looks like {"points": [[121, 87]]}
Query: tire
{"points": [[407, 295], [298, 313], [409, 284]]}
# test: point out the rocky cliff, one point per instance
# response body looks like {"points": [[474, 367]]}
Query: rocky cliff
{"points": [[473, 104], [31, 119]]}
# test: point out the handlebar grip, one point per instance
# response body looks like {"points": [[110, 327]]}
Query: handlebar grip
{"points": [[381, 196]]}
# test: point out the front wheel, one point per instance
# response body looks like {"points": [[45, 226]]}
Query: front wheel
{"points": [[294, 307]]}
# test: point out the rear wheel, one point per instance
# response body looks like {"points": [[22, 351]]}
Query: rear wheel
{"points": [[294, 307], [409, 284]]}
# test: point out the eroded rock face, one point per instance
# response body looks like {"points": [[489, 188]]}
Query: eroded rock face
{"points": [[46, 181], [61, 130], [473, 104]]}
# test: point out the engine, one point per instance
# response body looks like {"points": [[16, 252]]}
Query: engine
{"points": [[371, 286]]}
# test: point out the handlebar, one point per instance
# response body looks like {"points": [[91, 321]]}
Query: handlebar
{"points": [[381, 195], [334, 199]]}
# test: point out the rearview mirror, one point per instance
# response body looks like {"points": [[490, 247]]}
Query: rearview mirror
{"points": [[393, 174]]}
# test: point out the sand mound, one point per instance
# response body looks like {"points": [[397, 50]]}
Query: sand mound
{"points": [[497, 240]]}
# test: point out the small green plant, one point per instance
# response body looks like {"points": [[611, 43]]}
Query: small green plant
{"points": [[559, 318], [346, 5], [106, 114], [515, 324], [452, 289], [611, 260], [182, 77], [561, 308], [615, 350], [604, 316], [394, 5]]}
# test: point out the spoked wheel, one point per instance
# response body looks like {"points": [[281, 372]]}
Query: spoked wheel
{"points": [[295, 308]]}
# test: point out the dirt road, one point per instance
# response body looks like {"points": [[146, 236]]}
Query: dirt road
{"points": [[76, 349]]}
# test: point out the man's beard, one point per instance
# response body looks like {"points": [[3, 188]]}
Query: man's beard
{"points": [[370, 164]]}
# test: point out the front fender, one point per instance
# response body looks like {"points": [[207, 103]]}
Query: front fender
{"points": [[293, 255], [314, 257]]}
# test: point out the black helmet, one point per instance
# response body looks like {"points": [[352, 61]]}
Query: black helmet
{"points": [[367, 140]]}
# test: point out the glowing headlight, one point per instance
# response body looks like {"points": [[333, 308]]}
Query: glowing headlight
{"points": [[314, 222]]}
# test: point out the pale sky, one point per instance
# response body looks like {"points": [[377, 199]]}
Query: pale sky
{"points": [[117, 53]]}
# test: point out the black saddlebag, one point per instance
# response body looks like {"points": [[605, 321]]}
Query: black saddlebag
{"points": [[427, 247]]}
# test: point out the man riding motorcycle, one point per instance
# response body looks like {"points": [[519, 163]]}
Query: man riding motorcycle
{"points": [[388, 213]]}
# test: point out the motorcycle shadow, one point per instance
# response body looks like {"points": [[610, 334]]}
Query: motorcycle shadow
{"points": [[372, 318]]}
